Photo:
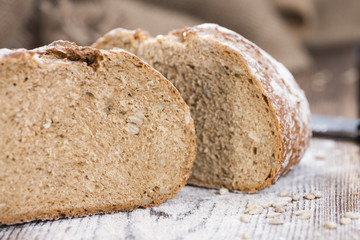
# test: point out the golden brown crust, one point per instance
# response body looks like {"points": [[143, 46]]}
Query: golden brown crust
{"points": [[93, 58]]}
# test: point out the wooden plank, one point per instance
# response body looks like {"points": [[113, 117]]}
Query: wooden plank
{"points": [[199, 213]]}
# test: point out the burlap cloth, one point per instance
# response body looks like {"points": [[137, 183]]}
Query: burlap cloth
{"points": [[285, 28]]}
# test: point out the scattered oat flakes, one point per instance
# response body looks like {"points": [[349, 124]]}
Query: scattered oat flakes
{"points": [[302, 212], [285, 193], [317, 194], [296, 197], [345, 221], [330, 225], [223, 191], [251, 204], [256, 211], [306, 215], [309, 196], [2, 205], [285, 199], [47, 125], [266, 204], [279, 210], [245, 218], [253, 208], [276, 222], [299, 212], [278, 204], [273, 214], [246, 235], [320, 155], [351, 215]]}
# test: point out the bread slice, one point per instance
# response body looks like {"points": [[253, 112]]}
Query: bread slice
{"points": [[86, 131], [252, 120]]}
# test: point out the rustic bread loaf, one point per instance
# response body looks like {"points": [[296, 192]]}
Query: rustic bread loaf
{"points": [[252, 120], [86, 131]]}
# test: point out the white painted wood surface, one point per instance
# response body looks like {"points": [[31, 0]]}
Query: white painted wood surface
{"points": [[199, 213]]}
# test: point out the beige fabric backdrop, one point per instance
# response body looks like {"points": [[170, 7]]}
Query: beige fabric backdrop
{"points": [[284, 28]]}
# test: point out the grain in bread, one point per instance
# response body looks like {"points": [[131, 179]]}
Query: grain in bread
{"points": [[86, 131], [252, 120]]}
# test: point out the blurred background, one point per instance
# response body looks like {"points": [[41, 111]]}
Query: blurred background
{"points": [[315, 39]]}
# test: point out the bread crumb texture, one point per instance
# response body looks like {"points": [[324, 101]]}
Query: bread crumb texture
{"points": [[81, 134], [252, 120]]}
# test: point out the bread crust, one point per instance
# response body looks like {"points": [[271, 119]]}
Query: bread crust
{"points": [[67, 51], [287, 102]]}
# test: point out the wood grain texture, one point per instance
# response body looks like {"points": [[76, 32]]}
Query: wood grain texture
{"points": [[199, 213]]}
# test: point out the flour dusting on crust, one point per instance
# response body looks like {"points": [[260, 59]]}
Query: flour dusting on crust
{"points": [[5, 51]]}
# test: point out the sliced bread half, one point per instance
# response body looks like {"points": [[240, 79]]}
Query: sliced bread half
{"points": [[86, 131], [252, 120]]}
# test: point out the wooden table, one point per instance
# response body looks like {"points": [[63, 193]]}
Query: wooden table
{"points": [[197, 213]]}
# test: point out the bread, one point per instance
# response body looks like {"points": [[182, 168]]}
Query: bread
{"points": [[86, 131], [251, 118]]}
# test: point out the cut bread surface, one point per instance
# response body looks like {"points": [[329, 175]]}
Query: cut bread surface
{"points": [[251, 118], [87, 131]]}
